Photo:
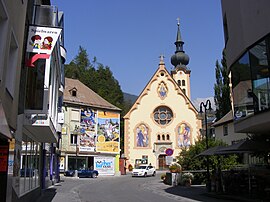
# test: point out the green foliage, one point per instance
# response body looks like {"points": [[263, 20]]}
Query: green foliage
{"points": [[189, 159], [100, 79], [222, 89]]}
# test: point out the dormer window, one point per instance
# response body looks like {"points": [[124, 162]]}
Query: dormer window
{"points": [[73, 92]]}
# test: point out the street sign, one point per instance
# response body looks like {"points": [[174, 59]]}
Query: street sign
{"points": [[169, 151]]}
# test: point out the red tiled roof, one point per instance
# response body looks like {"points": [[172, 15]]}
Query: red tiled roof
{"points": [[84, 95]]}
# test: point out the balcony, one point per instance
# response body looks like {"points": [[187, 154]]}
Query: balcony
{"points": [[40, 126]]}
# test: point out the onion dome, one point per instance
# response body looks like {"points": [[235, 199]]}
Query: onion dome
{"points": [[179, 59]]}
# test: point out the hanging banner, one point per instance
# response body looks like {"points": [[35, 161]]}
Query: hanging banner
{"points": [[42, 39]]}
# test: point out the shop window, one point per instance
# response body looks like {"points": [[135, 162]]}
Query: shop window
{"points": [[29, 170]]}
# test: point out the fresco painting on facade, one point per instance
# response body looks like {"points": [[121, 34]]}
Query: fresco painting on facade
{"points": [[87, 130], [142, 136], [183, 135], [162, 90], [108, 132]]}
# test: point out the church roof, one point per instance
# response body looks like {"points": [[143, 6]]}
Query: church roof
{"points": [[162, 69], [84, 95]]}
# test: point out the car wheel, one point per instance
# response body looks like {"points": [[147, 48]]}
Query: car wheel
{"points": [[154, 174], [94, 175], [145, 174]]}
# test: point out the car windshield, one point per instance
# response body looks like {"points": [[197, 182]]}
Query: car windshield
{"points": [[141, 167]]}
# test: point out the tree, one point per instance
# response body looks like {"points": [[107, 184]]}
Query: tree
{"points": [[189, 160], [222, 89], [98, 78]]}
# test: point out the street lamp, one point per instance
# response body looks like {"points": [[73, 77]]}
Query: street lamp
{"points": [[206, 106]]}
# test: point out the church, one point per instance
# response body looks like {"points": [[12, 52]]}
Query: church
{"points": [[163, 120]]}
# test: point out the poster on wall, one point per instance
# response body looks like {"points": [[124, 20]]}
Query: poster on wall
{"points": [[108, 132], [104, 165], [87, 130]]}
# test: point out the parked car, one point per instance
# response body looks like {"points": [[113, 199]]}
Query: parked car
{"points": [[88, 173], [82, 173], [69, 173], [144, 170]]}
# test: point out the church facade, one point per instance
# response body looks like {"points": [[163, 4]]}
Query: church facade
{"points": [[163, 120]]}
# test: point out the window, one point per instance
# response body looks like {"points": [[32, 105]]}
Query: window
{"points": [[12, 65], [74, 93], [183, 82], [35, 86], [163, 115], [158, 137], [73, 138], [163, 137], [179, 82], [251, 80], [225, 130], [184, 91], [29, 173], [168, 137], [75, 115], [3, 36]]}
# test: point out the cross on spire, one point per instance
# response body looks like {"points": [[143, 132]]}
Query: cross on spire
{"points": [[178, 21], [161, 60]]}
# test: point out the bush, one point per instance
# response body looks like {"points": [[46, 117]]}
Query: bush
{"points": [[186, 177]]}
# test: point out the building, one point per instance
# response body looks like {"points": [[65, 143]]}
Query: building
{"points": [[162, 120], [247, 40], [91, 131], [224, 130], [31, 65]]}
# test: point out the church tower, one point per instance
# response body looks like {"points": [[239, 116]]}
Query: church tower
{"points": [[179, 60]]}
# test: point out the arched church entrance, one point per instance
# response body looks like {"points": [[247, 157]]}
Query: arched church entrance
{"points": [[162, 162]]}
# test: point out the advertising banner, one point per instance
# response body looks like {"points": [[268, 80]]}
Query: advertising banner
{"points": [[104, 165], [108, 132], [87, 130]]}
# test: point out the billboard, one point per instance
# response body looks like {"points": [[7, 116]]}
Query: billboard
{"points": [[108, 132]]}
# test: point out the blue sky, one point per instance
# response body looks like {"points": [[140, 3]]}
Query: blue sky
{"points": [[129, 36]]}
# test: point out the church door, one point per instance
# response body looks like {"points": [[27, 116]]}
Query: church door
{"points": [[162, 162]]}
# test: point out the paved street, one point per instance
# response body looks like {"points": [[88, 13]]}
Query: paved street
{"points": [[122, 189]]}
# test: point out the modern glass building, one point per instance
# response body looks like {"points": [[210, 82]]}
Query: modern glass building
{"points": [[247, 46]]}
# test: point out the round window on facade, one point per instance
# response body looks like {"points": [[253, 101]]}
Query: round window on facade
{"points": [[163, 115]]}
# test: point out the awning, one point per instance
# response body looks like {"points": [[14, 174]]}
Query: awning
{"points": [[245, 146], [4, 128], [211, 151]]}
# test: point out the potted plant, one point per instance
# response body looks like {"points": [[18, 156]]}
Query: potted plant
{"points": [[130, 167], [175, 168], [187, 178]]}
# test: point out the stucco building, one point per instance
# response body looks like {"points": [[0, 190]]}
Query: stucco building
{"points": [[90, 132], [163, 118]]}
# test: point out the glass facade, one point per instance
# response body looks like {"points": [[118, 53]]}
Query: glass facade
{"points": [[250, 80]]}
